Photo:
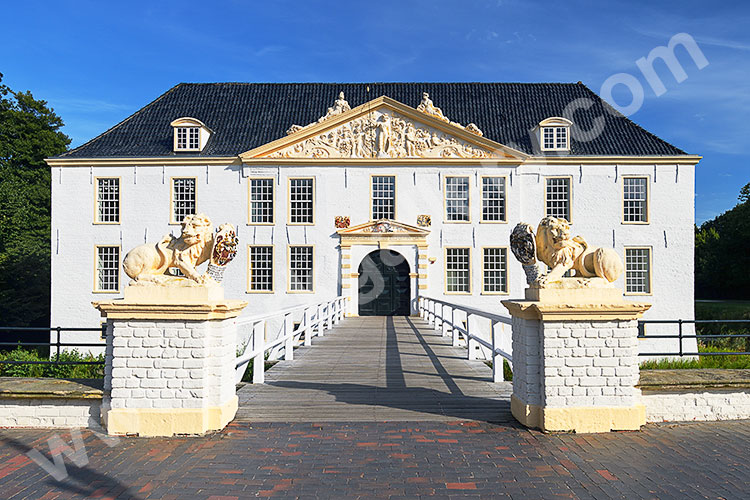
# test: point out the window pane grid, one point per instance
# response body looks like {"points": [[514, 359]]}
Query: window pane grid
{"points": [[457, 198], [558, 198], [383, 197], [261, 269], [457, 270], [561, 139], [181, 138], [549, 138], [183, 198], [493, 198], [301, 201], [261, 201], [637, 270], [635, 199], [301, 269], [108, 200], [495, 270], [194, 133], [108, 269]]}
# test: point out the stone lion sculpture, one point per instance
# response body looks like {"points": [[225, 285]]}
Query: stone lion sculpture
{"points": [[561, 252], [195, 245]]}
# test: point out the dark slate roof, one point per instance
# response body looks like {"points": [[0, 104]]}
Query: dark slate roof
{"points": [[243, 116]]}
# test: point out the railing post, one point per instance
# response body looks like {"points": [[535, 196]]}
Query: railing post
{"points": [[432, 313], [307, 321], [470, 344], [320, 320], [288, 333], [447, 325], [259, 341], [454, 331], [438, 317], [329, 315], [421, 307], [497, 360], [679, 325]]}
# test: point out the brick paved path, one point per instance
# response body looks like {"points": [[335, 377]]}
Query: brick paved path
{"points": [[403, 370], [394, 460], [375, 369]]}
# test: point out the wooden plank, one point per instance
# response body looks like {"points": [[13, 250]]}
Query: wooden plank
{"points": [[377, 369]]}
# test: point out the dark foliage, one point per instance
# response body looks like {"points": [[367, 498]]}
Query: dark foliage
{"points": [[29, 133]]}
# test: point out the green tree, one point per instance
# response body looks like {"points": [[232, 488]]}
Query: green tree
{"points": [[721, 256], [29, 133]]}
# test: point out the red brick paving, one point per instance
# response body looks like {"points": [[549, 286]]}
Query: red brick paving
{"points": [[340, 460]]}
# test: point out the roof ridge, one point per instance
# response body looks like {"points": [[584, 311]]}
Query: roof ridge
{"points": [[112, 128], [380, 83]]}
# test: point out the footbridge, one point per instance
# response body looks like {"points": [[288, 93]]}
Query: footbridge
{"points": [[380, 368]]}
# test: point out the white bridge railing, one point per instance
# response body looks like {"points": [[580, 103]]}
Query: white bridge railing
{"points": [[479, 328], [314, 320]]}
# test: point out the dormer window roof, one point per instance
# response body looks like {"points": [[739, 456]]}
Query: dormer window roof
{"points": [[554, 134], [190, 134]]}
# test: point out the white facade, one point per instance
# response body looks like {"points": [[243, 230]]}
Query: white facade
{"points": [[342, 176], [222, 193]]}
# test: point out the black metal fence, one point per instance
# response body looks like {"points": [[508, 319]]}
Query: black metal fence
{"points": [[54, 345], [708, 338]]}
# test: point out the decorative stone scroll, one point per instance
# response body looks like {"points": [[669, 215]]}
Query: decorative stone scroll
{"points": [[382, 134], [428, 108]]}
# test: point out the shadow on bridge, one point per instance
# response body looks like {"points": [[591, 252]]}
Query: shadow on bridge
{"points": [[377, 369]]}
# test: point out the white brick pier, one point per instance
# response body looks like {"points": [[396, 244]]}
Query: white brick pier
{"points": [[575, 367], [170, 368]]}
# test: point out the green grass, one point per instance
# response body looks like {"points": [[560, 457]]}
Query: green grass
{"points": [[50, 371], [507, 372], [725, 362], [727, 309]]}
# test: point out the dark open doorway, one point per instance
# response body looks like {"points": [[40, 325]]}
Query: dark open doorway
{"points": [[384, 284]]}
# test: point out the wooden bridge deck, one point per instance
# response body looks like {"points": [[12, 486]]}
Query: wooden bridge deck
{"points": [[377, 369]]}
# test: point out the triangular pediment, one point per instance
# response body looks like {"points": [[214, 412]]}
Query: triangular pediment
{"points": [[384, 227], [384, 129]]}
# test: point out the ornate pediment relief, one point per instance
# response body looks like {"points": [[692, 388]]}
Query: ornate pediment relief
{"points": [[384, 129], [384, 227]]}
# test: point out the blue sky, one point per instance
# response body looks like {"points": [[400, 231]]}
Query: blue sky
{"points": [[98, 62]]}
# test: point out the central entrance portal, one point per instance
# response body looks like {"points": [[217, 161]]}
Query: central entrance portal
{"points": [[384, 285]]}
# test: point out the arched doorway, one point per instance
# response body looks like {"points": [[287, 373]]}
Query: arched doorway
{"points": [[384, 284]]}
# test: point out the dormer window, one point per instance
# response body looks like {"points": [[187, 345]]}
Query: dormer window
{"points": [[190, 134], [554, 134]]}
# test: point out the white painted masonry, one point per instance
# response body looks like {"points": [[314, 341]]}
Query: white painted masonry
{"points": [[576, 363], [697, 405], [222, 193], [50, 412], [169, 364]]}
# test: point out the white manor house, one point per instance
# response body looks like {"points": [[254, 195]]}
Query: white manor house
{"points": [[380, 192]]}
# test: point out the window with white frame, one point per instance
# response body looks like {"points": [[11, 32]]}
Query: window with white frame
{"points": [[495, 270], [190, 134], [558, 197], [261, 201], [635, 199], [638, 270], [183, 198], [555, 138], [107, 268], [260, 272], [108, 200], [188, 138], [457, 270], [457, 199], [493, 199], [301, 268], [301, 200], [383, 197]]}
